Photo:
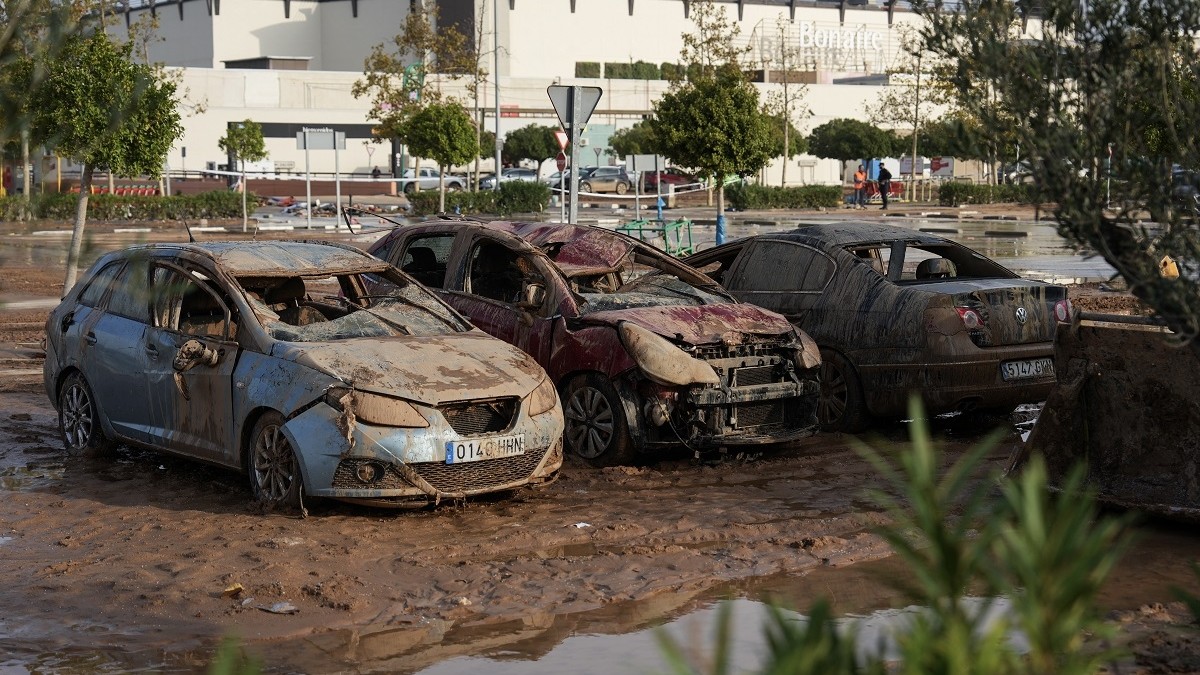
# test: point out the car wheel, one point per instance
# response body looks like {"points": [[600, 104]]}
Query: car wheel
{"points": [[596, 430], [410, 188], [585, 186], [274, 472], [841, 406], [622, 188], [79, 419], [454, 187]]}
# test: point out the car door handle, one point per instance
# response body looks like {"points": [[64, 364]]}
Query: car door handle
{"points": [[91, 338], [152, 352]]}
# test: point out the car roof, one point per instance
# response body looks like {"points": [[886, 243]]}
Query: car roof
{"points": [[583, 248], [278, 258], [838, 235]]}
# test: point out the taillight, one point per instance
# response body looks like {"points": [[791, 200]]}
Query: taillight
{"points": [[1062, 310], [970, 317]]}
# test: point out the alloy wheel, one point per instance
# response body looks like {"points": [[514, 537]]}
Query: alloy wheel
{"points": [[590, 422]]}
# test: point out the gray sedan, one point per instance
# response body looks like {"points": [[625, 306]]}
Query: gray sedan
{"points": [[315, 368]]}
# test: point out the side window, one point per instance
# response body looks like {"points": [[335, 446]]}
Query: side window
{"points": [[131, 294], [182, 304], [717, 268], [499, 274], [784, 277], [425, 258], [94, 293]]}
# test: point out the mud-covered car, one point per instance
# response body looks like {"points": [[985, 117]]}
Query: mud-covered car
{"points": [[315, 368], [646, 352], [898, 311]]}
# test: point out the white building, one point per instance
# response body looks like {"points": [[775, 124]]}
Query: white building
{"points": [[288, 64]]}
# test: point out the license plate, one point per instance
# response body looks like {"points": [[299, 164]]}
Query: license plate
{"points": [[458, 452], [1022, 370]]}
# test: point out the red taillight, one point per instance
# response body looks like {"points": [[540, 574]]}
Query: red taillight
{"points": [[1062, 310], [970, 317]]}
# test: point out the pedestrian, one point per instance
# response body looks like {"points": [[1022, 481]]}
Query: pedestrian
{"points": [[376, 173], [860, 187], [885, 185]]}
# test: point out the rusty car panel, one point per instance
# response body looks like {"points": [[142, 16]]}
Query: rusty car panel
{"points": [[646, 352], [315, 379]]}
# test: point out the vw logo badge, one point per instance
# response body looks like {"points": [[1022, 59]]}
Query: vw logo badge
{"points": [[1022, 315]]}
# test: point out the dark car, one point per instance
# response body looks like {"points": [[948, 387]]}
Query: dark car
{"points": [[555, 180], [897, 311], [668, 176], [607, 179], [508, 175], [315, 368], [646, 351]]}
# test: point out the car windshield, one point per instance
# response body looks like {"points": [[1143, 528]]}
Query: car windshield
{"points": [[325, 308], [924, 262], [641, 280]]}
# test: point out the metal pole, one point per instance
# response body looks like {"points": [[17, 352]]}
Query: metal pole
{"points": [[575, 107], [307, 182], [337, 184], [496, 83]]}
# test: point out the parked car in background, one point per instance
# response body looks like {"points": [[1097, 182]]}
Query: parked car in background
{"points": [[428, 179], [668, 176], [895, 312], [607, 179], [488, 182], [646, 352], [555, 180], [1185, 190], [315, 368]]}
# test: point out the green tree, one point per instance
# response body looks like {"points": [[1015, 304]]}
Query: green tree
{"points": [[244, 140], [1088, 82], [533, 141], [848, 139], [445, 132], [787, 104], [100, 109], [781, 133], [713, 123], [636, 140]]}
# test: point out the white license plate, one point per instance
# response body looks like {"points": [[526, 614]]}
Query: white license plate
{"points": [[479, 449], [1021, 370]]}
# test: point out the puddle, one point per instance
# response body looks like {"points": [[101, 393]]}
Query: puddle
{"points": [[30, 476]]}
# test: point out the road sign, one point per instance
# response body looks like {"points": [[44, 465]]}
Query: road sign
{"points": [[561, 161], [562, 98], [561, 137]]}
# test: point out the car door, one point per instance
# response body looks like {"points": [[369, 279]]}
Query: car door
{"points": [[783, 276], [110, 334], [191, 398]]}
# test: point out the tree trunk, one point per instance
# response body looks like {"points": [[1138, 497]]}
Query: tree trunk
{"points": [[441, 189], [26, 179], [85, 188], [245, 218], [720, 209], [787, 147], [416, 174], [478, 139]]}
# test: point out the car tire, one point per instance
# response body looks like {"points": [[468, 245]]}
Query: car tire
{"points": [[841, 406], [454, 187], [622, 188], [596, 429], [79, 419], [271, 463], [410, 188], [585, 186]]}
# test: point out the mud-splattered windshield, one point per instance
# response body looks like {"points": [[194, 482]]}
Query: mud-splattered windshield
{"points": [[347, 306], [643, 281]]}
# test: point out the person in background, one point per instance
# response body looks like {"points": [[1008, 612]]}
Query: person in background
{"points": [[885, 185], [860, 187], [376, 173]]}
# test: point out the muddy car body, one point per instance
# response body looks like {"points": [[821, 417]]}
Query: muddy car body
{"points": [[645, 351], [316, 368], [897, 311]]}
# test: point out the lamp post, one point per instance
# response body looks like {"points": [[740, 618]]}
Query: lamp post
{"points": [[496, 82]]}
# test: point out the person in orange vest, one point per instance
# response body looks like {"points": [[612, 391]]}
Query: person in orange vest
{"points": [[860, 187]]}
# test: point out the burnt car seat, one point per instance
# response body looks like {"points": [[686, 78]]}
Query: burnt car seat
{"points": [[936, 268], [201, 314], [286, 297]]}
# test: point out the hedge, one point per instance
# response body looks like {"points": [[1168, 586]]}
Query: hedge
{"points": [[957, 194], [587, 69], [513, 197], [745, 196], [61, 206]]}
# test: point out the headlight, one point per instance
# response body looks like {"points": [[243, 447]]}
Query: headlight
{"points": [[662, 361], [809, 354], [370, 408], [544, 398]]}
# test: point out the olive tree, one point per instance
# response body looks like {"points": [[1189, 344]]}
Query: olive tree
{"points": [[1105, 102], [244, 140], [445, 132], [713, 122], [99, 108], [636, 140], [532, 141]]}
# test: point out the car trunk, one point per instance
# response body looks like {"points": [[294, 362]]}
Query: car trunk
{"points": [[1011, 313]]}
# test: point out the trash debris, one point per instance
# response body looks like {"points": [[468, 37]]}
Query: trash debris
{"points": [[464, 602], [582, 525], [233, 590], [280, 608]]}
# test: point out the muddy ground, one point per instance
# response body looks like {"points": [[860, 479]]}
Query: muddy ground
{"points": [[135, 561]]}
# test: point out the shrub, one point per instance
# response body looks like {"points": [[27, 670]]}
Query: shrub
{"points": [[642, 70], [670, 71], [957, 194], [615, 70], [61, 206], [745, 196], [587, 69], [513, 197]]}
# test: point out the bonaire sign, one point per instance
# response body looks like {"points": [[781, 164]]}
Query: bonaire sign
{"points": [[859, 39]]}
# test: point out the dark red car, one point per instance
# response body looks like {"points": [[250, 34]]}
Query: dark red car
{"points": [[668, 176], [646, 351]]}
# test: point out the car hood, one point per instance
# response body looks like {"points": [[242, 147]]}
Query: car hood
{"points": [[430, 370], [697, 325]]}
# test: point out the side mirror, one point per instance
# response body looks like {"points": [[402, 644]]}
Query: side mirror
{"points": [[192, 353], [532, 296]]}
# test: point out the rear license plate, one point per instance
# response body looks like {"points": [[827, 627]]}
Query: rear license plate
{"points": [[458, 452], [1028, 368]]}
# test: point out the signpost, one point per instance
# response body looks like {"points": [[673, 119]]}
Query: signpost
{"points": [[574, 106], [321, 139]]}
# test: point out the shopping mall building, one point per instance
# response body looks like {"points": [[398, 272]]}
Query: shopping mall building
{"points": [[290, 64]]}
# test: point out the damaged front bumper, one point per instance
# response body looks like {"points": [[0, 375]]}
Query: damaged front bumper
{"points": [[390, 466]]}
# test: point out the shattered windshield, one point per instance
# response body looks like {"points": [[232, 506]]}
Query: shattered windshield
{"points": [[346, 306], [641, 280]]}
